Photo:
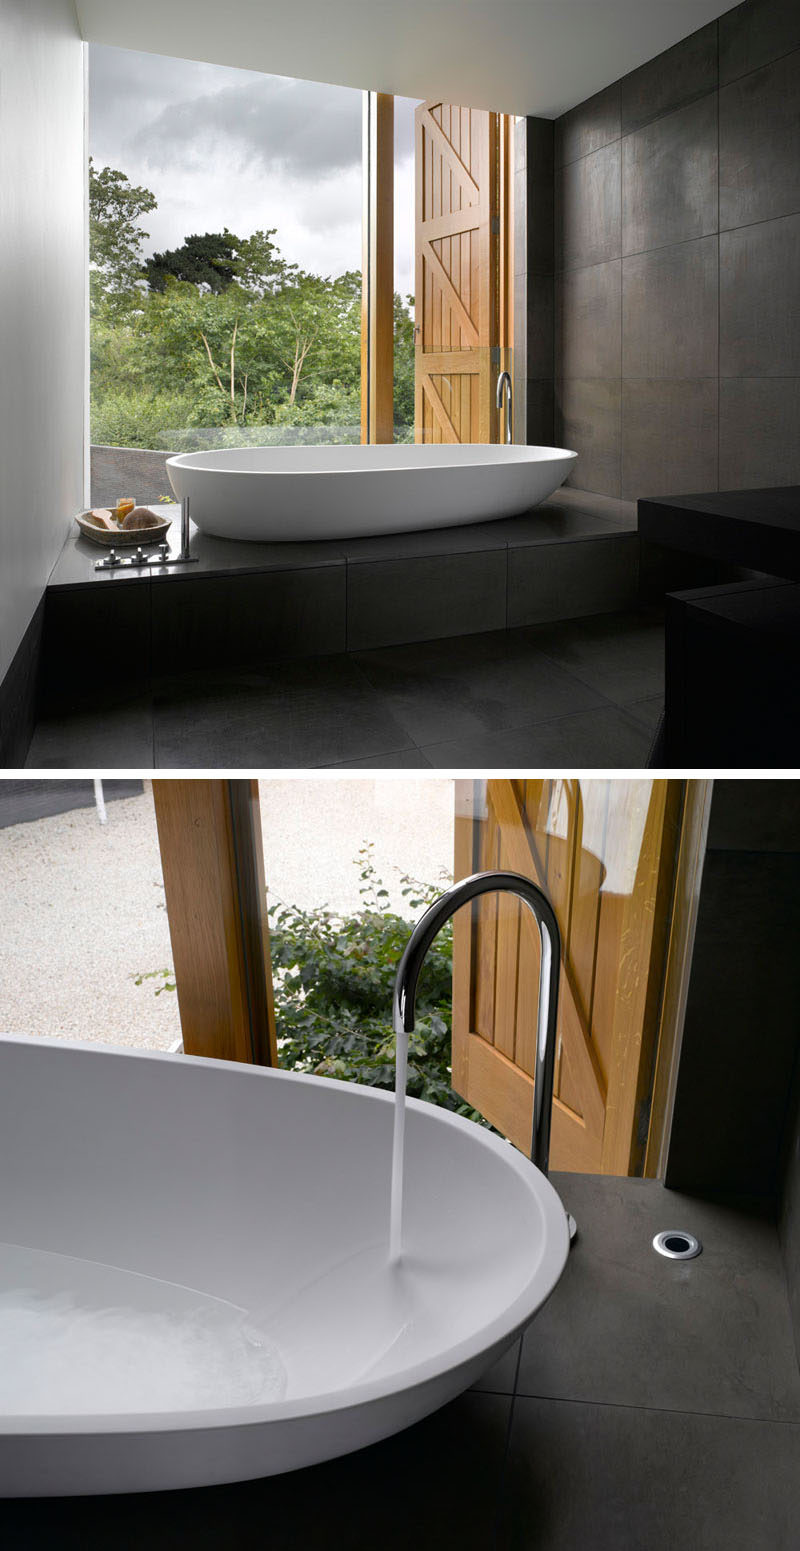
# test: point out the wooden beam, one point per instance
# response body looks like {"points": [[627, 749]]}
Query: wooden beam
{"points": [[377, 274], [209, 834], [685, 905]]}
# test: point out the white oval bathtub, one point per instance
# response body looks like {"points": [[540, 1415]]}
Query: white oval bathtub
{"points": [[194, 1279], [338, 492]]}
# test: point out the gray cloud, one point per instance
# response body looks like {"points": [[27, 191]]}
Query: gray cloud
{"points": [[298, 125]]}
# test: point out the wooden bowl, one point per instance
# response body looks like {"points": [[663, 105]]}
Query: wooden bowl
{"points": [[123, 536]]}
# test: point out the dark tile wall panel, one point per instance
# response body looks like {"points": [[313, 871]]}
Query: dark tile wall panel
{"points": [[423, 599], [669, 311], [759, 315], [789, 1220], [759, 440], [671, 80], [539, 313], [540, 193], [588, 303], [677, 233], [534, 237], [587, 209], [669, 178], [540, 413], [95, 638], [588, 422], [588, 127], [548, 582], [213, 620], [730, 1110], [669, 437], [759, 144], [754, 33]]}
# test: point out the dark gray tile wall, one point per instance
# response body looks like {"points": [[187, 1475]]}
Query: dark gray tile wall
{"points": [[676, 239], [789, 1220], [742, 1028], [534, 190]]}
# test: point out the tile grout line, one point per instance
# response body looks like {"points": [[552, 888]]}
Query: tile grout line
{"points": [[680, 242], [624, 1405], [501, 1485]]}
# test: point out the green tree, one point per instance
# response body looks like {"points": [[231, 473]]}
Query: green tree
{"points": [[227, 334], [115, 238], [204, 260]]}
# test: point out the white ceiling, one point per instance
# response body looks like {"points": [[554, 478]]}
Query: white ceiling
{"points": [[516, 56]]}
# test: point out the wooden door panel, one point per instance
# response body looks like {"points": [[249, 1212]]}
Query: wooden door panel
{"points": [[604, 852], [456, 285]]}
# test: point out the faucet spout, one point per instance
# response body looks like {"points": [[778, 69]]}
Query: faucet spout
{"points": [[504, 382], [426, 930]]}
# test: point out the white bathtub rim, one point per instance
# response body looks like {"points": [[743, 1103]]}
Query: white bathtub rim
{"points": [[499, 1332], [518, 453]]}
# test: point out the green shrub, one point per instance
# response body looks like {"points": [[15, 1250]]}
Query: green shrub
{"points": [[135, 418], [334, 976]]}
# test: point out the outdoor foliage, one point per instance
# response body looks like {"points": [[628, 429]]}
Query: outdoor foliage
{"points": [[220, 332], [334, 977], [333, 992]]}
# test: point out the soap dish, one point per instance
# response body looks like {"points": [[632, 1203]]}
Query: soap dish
{"points": [[123, 536]]}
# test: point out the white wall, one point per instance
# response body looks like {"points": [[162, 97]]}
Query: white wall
{"points": [[42, 299]]}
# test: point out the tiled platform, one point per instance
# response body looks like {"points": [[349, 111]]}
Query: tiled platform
{"points": [[583, 694], [439, 648], [240, 602], [649, 1405]]}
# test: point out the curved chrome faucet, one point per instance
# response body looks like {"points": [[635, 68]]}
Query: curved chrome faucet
{"points": [[504, 381], [405, 987]]}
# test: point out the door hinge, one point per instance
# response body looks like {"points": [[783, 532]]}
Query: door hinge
{"points": [[494, 355], [495, 226]]}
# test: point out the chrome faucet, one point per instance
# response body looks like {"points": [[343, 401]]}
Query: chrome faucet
{"points": [[504, 380], [429, 925]]}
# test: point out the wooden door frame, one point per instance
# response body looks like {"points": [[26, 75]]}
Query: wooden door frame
{"points": [[377, 270], [209, 834]]}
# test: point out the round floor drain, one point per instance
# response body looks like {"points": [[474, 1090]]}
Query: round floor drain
{"points": [[677, 1245]]}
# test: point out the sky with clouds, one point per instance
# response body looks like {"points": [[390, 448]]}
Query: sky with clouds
{"points": [[224, 147]]}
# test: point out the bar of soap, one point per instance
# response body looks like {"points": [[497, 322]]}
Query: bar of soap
{"points": [[140, 517]]}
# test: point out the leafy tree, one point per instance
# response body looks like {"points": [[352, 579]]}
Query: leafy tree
{"points": [[115, 237], [403, 364], [259, 266], [227, 334], [204, 260]]}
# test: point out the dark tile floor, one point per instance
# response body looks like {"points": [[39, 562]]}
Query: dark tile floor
{"points": [[586, 693], [650, 1405]]}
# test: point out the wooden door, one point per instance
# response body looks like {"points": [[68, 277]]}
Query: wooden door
{"points": [[461, 291], [604, 853]]}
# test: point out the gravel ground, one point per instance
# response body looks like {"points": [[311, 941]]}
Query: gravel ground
{"points": [[82, 904]]}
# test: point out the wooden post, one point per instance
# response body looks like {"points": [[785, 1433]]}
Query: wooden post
{"points": [[377, 274], [210, 839]]}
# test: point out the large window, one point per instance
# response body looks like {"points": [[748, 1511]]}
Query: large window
{"points": [[225, 255]]}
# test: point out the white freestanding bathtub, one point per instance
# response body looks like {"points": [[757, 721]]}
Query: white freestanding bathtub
{"points": [[337, 492], [194, 1280]]}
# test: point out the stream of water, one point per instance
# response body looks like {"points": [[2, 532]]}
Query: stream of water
{"points": [[398, 1148]]}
